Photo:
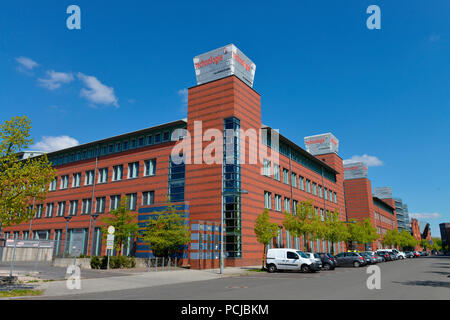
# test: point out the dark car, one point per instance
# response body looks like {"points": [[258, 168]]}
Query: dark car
{"points": [[409, 254], [328, 261], [386, 256], [393, 255], [350, 259], [369, 256]]}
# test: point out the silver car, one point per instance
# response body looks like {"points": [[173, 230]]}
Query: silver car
{"points": [[315, 257]]}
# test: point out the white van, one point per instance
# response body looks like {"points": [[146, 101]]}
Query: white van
{"points": [[290, 259]]}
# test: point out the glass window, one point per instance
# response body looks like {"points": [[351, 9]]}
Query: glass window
{"points": [[157, 138], [133, 170], [100, 204], [49, 211], [61, 209], [148, 198], [277, 202], [76, 180], [301, 184], [86, 208], [89, 177], [53, 184], [117, 172], [64, 182], [73, 208], [267, 200], [276, 172], [102, 175], [131, 201], [286, 176], [150, 167], [314, 185]]}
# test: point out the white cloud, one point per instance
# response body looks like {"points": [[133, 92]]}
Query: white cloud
{"points": [[27, 63], [49, 144], [369, 161], [55, 79], [96, 92], [425, 216]]}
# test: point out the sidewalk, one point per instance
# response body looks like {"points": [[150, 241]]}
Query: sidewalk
{"points": [[139, 280]]}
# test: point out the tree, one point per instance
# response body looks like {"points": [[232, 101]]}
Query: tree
{"points": [[166, 232], [22, 182], [336, 230], [391, 238], [301, 223], [265, 231], [407, 241], [355, 233], [424, 244], [369, 232], [123, 222]]}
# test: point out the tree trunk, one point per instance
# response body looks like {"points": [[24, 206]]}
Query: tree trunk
{"points": [[264, 257]]}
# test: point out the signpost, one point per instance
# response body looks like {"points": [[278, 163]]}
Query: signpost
{"points": [[110, 242]]}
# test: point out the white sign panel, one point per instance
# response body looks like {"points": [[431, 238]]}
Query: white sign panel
{"points": [[322, 144], [355, 170], [223, 62], [109, 242]]}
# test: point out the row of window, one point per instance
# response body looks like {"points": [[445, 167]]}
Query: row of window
{"points": [[383, 219], [311, 187], [113, 147], [148, 198], [133, 172], [287, 204]]}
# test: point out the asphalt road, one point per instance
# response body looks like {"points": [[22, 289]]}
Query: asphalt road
{"points": [[420, 278]]}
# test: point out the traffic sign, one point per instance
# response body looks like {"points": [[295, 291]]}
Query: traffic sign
{"points": [[111, 230], [109, 242]]}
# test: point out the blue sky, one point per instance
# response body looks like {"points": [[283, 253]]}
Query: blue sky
{"points": [[383, 93]]}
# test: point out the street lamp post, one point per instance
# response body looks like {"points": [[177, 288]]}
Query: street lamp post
{"points": [[67, 218], [94, 216], [221, 222]]}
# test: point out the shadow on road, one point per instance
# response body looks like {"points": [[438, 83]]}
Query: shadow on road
{"points": [[441, 284]]}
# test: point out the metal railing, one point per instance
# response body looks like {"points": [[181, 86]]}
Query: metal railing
{"points": [[163, 264]]}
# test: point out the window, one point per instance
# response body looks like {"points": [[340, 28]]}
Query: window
{"points": [[320, 191], [117, 173], [308, 186], [133, 170], [294, 206], [276, 172], [148, 198], [267, 200], [287, 204], [166, 136], [141, 141], [325, 193], [102, 175], [64, 182], [285, 176], [157, 138], [118, 147], [100, 204], [150, 167], [125, 145], [331, 196], [111, 148], [335, 197], [301, 183], [291, 255], [39, 208], [114, 202], [266, 167], [277, 202], [89, 178], [322, 217], [49, 211], [53, 183], [314, 185], [294, 180], [133, 144], [131, 201], [73, 208], [149, 139], [86, 209], [76, 180], [61, 209]]}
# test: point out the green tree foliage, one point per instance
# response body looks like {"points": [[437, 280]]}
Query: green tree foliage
{"points": [[336, 230], [21, 182], [391, 238], [369, 231], [305, 222], [437, 244], [355, 232], [124, 223], [406, 240], [265, 231], [166, 232]]}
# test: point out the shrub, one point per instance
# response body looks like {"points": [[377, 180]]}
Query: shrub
{"points": [[114, 262], [96, 262]]}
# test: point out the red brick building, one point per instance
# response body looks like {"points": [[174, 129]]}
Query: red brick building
{"points": [[361, 203], [92, 178]]}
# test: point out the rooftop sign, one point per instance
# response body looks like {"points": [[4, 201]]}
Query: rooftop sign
{"points": [[383, 192], [223, 62], [322, 144], [355, 170]]}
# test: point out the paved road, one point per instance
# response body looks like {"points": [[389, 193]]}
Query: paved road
{"points": [[421, 278]]}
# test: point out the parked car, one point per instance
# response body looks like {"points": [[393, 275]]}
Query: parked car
{"points": [[374, 257], [350, 259], [393, 255], [409, 254], [416, 254], [423, 253], [315, 257], [290, 259], [385, 255], [380, 256], [400, 254], [328, 261]]}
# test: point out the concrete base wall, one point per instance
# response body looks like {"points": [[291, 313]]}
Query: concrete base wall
{"points": [[26, 254], [65, 262]]}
